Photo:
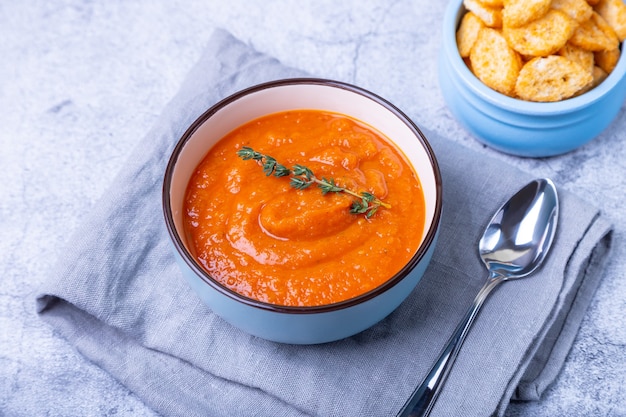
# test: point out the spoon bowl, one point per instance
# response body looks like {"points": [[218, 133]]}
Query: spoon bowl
{"points": [[519, 235], [514, 244]]}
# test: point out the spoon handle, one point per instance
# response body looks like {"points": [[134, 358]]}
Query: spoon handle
{"points": [[423, 398]]}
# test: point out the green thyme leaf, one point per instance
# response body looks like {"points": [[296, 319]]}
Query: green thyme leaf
{"points": [[301, 170], [368, 197], [248, 153], [302, 177], [357, 207], [300, 183], [372, 210], [328, 185], [269, 165], [281, 171]]}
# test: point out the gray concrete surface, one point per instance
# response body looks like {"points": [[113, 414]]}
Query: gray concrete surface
{"points": [[82, 81]]}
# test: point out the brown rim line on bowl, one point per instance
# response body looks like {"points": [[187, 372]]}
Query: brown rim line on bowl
{"points": [[295, 324]]}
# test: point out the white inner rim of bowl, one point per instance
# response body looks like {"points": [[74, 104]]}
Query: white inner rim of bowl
{"points": [[293, 97]]}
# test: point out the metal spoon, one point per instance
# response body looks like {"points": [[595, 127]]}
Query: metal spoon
{"points": [[513, 245]]}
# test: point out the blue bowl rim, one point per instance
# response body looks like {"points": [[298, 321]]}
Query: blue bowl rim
{"points": [[200, 272], [452, 18]]}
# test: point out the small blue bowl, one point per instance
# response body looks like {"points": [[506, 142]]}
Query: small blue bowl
{"points": [[519, 127], [301, 325]]}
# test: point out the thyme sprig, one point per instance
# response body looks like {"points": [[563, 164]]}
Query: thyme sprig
{"points": [[302, 177]]}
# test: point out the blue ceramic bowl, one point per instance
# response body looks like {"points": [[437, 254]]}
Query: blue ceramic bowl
{"points": [[301, 325], [520, 127]]}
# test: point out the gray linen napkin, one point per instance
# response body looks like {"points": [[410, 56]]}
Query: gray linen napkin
{"points": [[119, 298]]}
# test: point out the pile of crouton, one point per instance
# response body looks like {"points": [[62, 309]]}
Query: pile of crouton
{"points": [[542, 50]]}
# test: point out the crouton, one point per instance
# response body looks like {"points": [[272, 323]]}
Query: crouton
{"points": [[493, 3], [614, 13], [599, 75], [579, 55], [491, 16], [494, 62], [552, 78], [467, 33], [595, 34], [517, 13], [541, 37], [607, 60], [579, 10]]}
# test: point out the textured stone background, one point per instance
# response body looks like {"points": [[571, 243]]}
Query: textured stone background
{"points": [[82, 81]]}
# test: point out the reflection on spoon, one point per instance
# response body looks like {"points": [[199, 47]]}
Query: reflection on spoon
{"points": [[514, 244]]}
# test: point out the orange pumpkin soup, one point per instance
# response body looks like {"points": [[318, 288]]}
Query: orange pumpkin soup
{"points": [[266, 240]]}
